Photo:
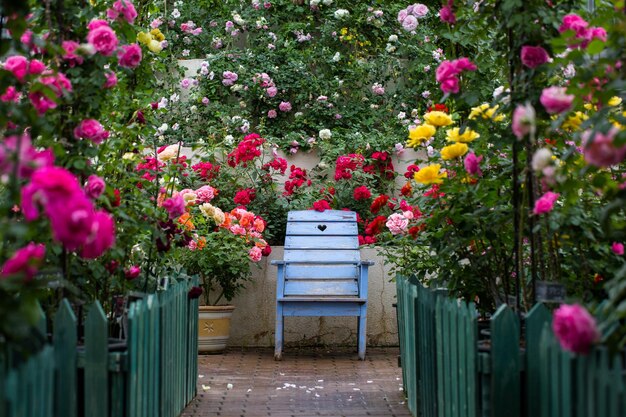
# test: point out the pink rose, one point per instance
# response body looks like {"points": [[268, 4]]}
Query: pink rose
{"points": [[95, 187], [111, 80], [47, 184], [402, 14], [129, 56], [534, 56], [92, 130], [102, 235], [24, 261], [617, 248], [284, 106], [409, 23], [29, 160], [601, 151], [11, 95], [472, 164], [229, 78], [575, 23], [575, 328], [545, 203], [271, 91], [18, 65], [132, 272], [447, 15], [124, 8], [71, 220], [397, 224], [205, 194], [555, 100], [175, 206], [58, 82], [523, 120], [255, 253], [70, 55], [102, 37], [272, 114], [41, 102], [36, 67]]}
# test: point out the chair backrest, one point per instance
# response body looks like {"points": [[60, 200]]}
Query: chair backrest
{"points": [[322, 251]]}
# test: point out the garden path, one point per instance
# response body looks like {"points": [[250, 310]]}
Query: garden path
{"points": [[307, 382]]}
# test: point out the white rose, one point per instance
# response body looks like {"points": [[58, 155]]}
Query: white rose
{"points": [[325, 134], [337, 57], [393, 38], [541, 159], [341, 13]]}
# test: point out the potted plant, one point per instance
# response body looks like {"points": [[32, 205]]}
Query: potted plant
{"points": [[221, 249]]}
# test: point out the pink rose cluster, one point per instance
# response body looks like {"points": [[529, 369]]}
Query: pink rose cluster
{"points": [[92, 130], [447, 74], [575, 328], [104, 41], [123, 8], [408, 17], [229, 78], [583, 34], [24, 262], [600, 149], [21, 67], [545, 203], [75, 222], [29, 159], [191, 28], [284, 106]]}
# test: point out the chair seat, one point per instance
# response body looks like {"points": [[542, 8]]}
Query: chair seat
{"points": [[323, 299]]}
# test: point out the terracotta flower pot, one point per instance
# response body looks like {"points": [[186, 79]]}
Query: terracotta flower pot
{"points": [[214, 328]]}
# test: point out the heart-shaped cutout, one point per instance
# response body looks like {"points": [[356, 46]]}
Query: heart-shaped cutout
{"points": [[322, 227]]}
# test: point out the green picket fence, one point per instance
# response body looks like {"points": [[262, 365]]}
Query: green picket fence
{"points": [[448, 372], [154, 375]]}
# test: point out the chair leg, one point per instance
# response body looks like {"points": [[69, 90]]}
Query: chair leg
{"points": [[362, 335], [279, 331]]}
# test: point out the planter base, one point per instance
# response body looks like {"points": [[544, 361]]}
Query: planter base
{"points": [[213, 328]]}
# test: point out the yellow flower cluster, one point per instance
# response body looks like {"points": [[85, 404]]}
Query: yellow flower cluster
{"points": [[486, 112], [573, 122], [213, 212], [152, 40]]}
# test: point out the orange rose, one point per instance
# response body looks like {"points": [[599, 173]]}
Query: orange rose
{"points": [[185, 221]]}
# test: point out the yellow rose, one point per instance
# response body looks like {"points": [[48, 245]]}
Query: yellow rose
{"points": [[615, 101], [573, 122], [430, 175], [218, 216], [486, 112], [155, 46], [144, 37], [420, 134], [208, 209], [438, 118], [469, 135], [454, 151], [156, 34]]}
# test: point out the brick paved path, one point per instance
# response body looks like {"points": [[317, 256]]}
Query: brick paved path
{"points": [[308, 382]]}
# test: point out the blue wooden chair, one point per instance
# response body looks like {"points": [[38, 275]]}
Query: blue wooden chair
{"points": [[322, 273]]}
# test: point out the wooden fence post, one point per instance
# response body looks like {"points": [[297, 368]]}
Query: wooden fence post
{"points": [[535, 321]]}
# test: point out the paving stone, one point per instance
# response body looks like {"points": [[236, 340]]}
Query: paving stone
{"points": [[306, 383]]}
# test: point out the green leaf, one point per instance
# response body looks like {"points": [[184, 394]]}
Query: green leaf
{"points": [[595, 47]]}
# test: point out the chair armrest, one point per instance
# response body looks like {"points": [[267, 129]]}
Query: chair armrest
{"points": [[278, 262], [367, 263], [282, 262]]}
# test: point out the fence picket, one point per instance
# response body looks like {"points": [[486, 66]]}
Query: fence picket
{"points": [[96, 363], [65, 341], [440, 355], [535, 320], [505, 364]]}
